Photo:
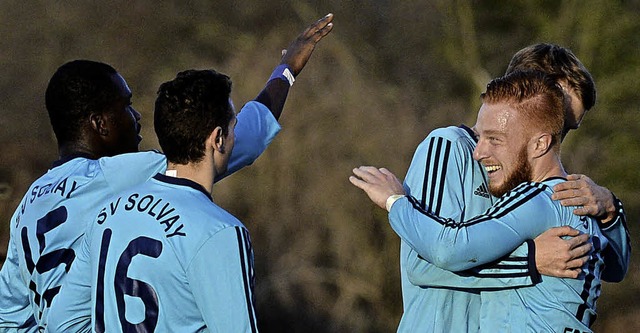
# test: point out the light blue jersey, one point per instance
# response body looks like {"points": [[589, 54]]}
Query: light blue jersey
{"points": [[552, 305], [444, 178], [46, 227], [162, 257]]}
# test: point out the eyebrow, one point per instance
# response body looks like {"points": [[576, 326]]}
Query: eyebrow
{"points": [[491, 132]]}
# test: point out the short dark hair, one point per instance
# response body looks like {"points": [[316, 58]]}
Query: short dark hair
{"points": [[561, 63], [533, 94], [77, 89], [188, 108]]}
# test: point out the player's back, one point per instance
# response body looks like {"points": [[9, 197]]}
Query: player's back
{"points": [[555, 304], [52, 217], [445, 178], [154, 254]]}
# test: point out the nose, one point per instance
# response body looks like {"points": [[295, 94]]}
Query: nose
{"points": [[135, 113], [480, 151]]}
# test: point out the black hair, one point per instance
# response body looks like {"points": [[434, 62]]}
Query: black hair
{"points": [[187, 109], [77, 89]]}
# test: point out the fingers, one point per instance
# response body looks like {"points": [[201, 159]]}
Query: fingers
{"points": [[568, 273], [320, 28], [588, 210], [357, 182], [581, 252], [577, 176], [367, 173], [300, 50], [563, 231], [577, 245]]}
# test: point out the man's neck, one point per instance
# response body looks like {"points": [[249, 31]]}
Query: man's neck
{"points": [[201, 173], [548, 167], [77, 149]]}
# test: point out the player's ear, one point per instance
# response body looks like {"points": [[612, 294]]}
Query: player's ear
{"points": [[98, 122], [541, 144], [217, 139]]}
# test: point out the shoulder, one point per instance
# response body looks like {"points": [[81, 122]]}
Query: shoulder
{"points": [[531, 194], [456, 136], [451, 133], [150, 156]]}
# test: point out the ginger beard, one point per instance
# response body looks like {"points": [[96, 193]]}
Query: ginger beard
{"points": [[521, 174]]}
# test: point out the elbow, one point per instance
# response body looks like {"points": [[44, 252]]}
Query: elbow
{"points": [[449, 259]]}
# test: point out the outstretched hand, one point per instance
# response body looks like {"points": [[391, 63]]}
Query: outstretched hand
{"points": [[379, 184], [591, 199], [300, 50]]}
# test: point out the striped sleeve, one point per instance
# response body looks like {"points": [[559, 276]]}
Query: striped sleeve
{"points": [[16, 313], [456, 246], [437, 176], [429, 173], [222, 278], [617, 254]]}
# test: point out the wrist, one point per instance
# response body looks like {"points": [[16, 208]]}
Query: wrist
{"points": [[391, 200], [283, 72], [612, 211]]}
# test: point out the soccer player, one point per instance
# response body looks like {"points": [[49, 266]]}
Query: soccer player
{"points": [[520, 126], [165, 243], [444, 176], [89, 106]]}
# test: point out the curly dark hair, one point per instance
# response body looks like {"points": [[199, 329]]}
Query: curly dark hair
{"points": [[187, 109]]}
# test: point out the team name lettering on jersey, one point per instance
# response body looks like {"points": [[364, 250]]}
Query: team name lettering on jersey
{"points": [[38, 191], [162, 211]]}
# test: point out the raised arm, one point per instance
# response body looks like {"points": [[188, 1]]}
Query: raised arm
{"points": [[293, 61], [600, 203], [258, 120]]}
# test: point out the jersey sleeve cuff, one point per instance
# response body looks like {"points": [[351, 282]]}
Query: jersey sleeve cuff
{"points": [[619, 213], [533, 270], [391, 200]]}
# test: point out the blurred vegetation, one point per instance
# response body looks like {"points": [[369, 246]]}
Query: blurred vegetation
{"points": [[390, 72]]}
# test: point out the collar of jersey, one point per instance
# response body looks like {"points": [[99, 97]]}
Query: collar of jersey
{"points": [[470, 132], [182, 182], [68, 158]]}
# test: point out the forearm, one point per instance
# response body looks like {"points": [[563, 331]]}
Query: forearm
{"points": [[514, 271], [274, 94], [448, 244]]}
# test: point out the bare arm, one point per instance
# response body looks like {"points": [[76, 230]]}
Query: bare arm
{"points": [[295, 58]]}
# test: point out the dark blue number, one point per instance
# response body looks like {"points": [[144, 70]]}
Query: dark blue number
{"points": [[127, 286], [46, 261]]}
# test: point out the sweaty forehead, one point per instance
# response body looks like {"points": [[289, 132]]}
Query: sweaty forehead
{"points": [[495, 118]]}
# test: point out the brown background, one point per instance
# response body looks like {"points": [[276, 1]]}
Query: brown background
{"points": [[390, 72]]}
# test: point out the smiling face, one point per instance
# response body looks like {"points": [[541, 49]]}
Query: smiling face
{"points": [[502, 147]]}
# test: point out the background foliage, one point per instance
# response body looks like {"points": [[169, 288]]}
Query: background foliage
{"points": [[390, 72]]}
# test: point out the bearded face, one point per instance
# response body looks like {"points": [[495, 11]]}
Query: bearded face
{"points": [[521, 173]]}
